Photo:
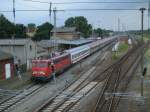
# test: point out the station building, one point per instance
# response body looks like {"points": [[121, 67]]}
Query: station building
{"points": [[63, 38], [6, 65], [65, 33], [23, 49]]}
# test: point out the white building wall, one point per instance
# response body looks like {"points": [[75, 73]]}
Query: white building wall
{"points": [[25, 53], [18, 52], [31, 51]]}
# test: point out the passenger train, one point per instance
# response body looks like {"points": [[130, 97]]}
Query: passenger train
{"points": [[42, 68]]}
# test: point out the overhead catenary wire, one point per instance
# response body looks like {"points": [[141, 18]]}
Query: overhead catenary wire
{"points": [[87, 2], [45, 10]]}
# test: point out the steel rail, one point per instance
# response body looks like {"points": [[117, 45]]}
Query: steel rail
{"points": [[51, 100], [122, 59]]}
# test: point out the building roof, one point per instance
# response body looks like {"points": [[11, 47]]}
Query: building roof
{"points": [[13, 42], [51, 43], [74, 42], [46, 43], [4, 55], [64, 29]]}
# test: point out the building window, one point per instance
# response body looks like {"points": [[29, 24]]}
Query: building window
{"points": [[30, 48]]}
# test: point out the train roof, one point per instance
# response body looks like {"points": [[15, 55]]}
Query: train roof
{"points": [[83, 47], [41, 60], [95, 43], [62, 55]]}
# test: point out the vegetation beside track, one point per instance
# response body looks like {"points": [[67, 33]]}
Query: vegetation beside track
{"points": [[147, 78], [122, 49], [146, 37]]}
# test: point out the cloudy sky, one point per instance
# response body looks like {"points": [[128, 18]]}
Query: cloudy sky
{"points": [[129, 20]]}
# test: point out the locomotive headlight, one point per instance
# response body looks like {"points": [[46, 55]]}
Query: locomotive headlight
{"points": [[42, 73], [34, 72]]}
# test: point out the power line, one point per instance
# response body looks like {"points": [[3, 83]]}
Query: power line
{"points": [[86, 2], [45, 10], [97, 9], [98, 2], [37, 1], [28, 10]]}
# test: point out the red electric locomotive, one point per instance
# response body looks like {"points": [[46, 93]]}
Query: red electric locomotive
{"points": [[42, 68]]}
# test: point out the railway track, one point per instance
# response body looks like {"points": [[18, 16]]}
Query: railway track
{"points": [[69, 99], [78, 93], [70, 96], [72, 93], [17, 98], [7, 94], [118, 80]]}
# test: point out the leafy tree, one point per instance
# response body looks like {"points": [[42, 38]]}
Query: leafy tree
{"points": [[8, 29], [20, 31], [31, 27], [81, 24], [43, 31], [70, 22], [106, 33], [99, 32]]}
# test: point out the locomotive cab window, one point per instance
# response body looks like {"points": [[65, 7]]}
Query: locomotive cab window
{"points": [[49, 64]]}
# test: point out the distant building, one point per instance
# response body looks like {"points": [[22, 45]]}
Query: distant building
{"points": [[66, 33], [6, 65], [124, 38], [23, 49], [31, 30], [61, 45]]}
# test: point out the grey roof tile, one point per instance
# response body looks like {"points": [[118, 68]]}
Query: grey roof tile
{"points": [[4, 55]]}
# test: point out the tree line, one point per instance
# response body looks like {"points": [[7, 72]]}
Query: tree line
{"points": [[43, 31]]}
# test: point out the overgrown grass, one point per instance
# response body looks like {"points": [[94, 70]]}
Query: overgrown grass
{"points": [[122, 48], [146, 37], [147, 54]]}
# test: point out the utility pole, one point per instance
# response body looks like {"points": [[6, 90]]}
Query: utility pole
{"points": [[54, 21], [142, 57], [149, 16], [13, 35], [93, 30], [54, 11], [118, 24], [50, 13], [142, 21]]}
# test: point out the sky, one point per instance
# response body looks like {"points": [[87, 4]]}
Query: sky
{"points": [[129, 20]]}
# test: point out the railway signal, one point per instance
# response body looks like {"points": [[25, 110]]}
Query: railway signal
{"points": [[144, 71], [142, 58], [142, 78]]}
